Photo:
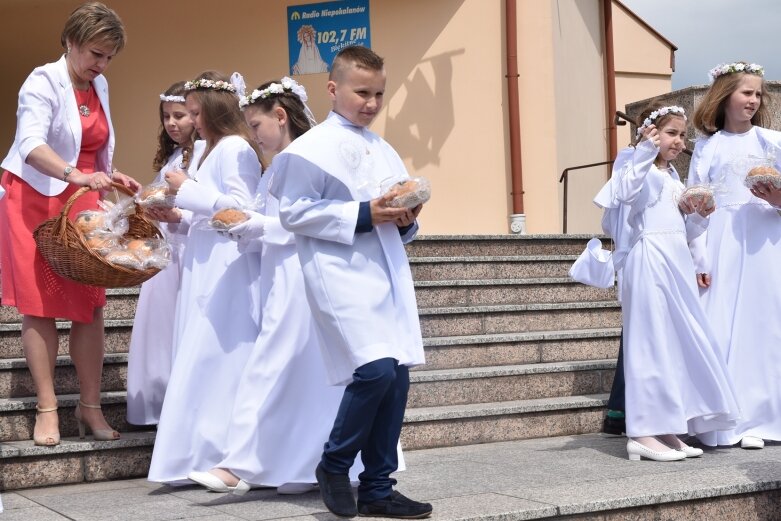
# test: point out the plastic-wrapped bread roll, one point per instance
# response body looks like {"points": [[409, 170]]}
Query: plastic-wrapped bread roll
{"points": [[763, 174], [227, 217], [410, 192]]}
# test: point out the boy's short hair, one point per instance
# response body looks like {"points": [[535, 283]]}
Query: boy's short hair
{"points": [[357, 56]]}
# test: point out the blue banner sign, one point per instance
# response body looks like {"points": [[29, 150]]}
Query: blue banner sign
{"points": [[316, 32]]}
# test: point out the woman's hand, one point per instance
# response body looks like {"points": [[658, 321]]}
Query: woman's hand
{"points": [[703, 280], [93, 181], [175, 179], [126, 180], [768, 192]]}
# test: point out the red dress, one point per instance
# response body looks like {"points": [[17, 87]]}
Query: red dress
{"points": [[28, 283]]}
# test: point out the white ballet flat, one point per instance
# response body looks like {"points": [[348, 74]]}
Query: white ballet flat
{"points": [[691, 452], [292, 489], [752, 442], [637, 450], [215, 484]]}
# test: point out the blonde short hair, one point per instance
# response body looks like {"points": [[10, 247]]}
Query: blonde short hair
{"points": [[93, 21]]}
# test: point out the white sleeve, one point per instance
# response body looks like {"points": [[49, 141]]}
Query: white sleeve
{"points": [[274, 233], [239, 172], [35, 113], [633, 179], [697, 241], [299, 185]]}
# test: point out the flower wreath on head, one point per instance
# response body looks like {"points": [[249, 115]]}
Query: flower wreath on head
{"points": [[729, 68], [174, 99], [285, 85], [670, 109], [203, 83]]}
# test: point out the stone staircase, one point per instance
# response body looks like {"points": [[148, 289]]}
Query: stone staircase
{"points": [[515, 350]]}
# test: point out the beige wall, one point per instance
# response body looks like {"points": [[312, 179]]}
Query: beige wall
{"points": [[580, 108], [642, 63], [444, 104], [446, 97]]}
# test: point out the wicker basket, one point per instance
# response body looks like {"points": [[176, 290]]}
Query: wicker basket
{"points": [[65, 248]]}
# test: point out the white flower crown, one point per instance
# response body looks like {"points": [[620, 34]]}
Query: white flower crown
{"points": [[203, 83], [174, 99], [729, 68], [658, 113], [285, 85]]}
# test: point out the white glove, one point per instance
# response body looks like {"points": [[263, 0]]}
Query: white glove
{"points": [[250, 229]]}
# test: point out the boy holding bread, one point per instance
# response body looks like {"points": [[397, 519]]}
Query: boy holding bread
{"points": [[358, 282]]}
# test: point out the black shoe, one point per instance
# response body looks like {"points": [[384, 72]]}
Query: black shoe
{"points": [[396, 505], [616, 426], [336, 492]]}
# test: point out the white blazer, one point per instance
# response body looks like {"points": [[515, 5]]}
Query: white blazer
{"points": [[48, 114]]}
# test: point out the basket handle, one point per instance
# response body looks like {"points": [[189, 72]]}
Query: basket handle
{"points": [[63, 218]]}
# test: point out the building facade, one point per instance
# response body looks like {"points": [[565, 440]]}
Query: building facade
{"points": [[447, 107]]}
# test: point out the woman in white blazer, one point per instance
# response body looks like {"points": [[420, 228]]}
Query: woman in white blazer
{"points": [[64, 141]]}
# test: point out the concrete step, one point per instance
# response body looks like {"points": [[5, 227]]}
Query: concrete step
{"points": [[117, 338], [437, 321], [439, 387], [453, 425], [17, 415], [16, 381], [429, 388], [441, 353], [487, 320], [582, 477], [502, 245], [74, 461], [448, 293], [25, 465], [493, 267], [520, 348], [120, 304]]}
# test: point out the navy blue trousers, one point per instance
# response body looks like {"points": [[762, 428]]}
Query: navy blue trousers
{"points": [[616, 402], [369, 420]]}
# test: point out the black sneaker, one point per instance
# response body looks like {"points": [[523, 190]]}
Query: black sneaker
{"points": [[616, 426], [336, 492], [396, 505]]}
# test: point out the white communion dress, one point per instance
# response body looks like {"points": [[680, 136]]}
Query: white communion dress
{"points": [[675, 381], [742, 252]]}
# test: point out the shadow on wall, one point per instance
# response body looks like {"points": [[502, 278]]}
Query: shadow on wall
{"points": [[426, 117]]}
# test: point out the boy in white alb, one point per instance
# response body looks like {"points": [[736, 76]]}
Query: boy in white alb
{"points": [[358, 282]]}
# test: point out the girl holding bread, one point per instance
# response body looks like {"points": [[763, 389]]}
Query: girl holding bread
{"points": [[285, 374], [675, 382], [151, 341], [737, 258], [217, 314]]}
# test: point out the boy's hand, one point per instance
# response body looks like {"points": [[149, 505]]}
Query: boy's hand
{"points": [[382, 213], [409, 217]]}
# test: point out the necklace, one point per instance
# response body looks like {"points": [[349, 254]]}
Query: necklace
{"points": [[84, 106]]}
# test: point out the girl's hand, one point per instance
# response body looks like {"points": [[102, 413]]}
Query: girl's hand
{"points": [[703, 280], [685, 206], [165, 215], [652, 134], [126, 180], [175, 179], [767, 192], [707, 208]]}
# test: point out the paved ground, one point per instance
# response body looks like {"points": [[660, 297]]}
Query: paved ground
{"points": [[502, 481]]}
